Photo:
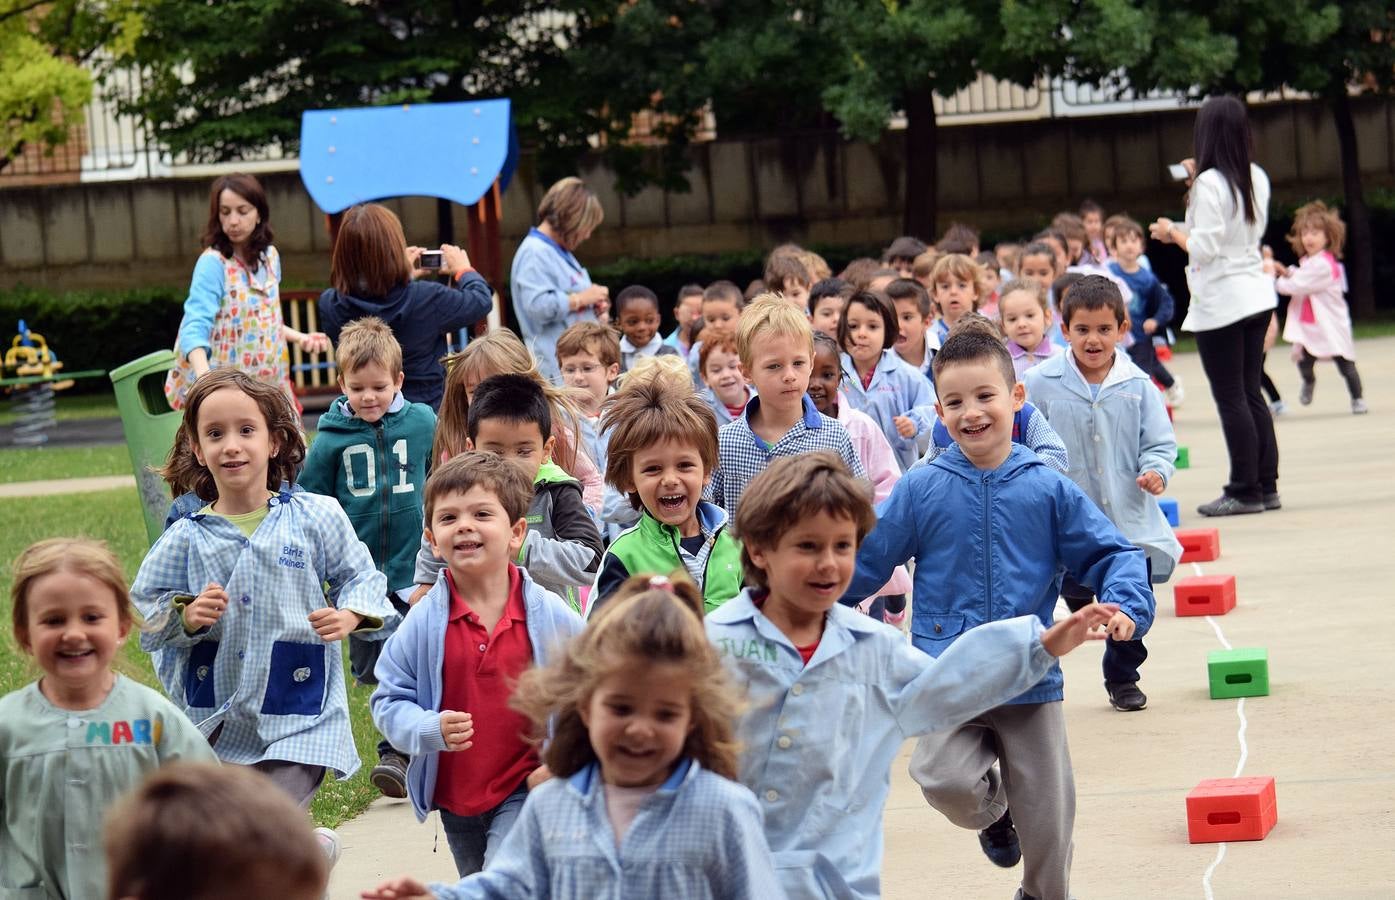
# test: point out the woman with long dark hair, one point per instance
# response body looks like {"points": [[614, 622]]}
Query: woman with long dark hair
{"points": [[1231, 297], [232, 316]]}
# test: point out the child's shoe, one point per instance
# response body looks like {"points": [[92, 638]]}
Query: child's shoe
{"points": [[390, 775], [1278, 407], [1000, 844], [1271, 501], [1125, 695], [1359, 407], [329, 843], [1175, 395], [1305, 393], [1229, 506]]}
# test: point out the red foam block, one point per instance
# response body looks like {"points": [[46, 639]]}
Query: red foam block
{"points": [[1231, 809], [1204, 595], [1199, 544]]}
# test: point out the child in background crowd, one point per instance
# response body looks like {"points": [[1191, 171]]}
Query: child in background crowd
{"points": [[1008, 255], [247, 599], [858, 272], [666, 822], [991, 528], [74, 741], [901, 253], [826, 301], [1056, 241], [1319, 324], [637, 316], [897, 397], [1121, 446], [785, 274], [833, 696], [199, 831], [1038, 263], [776, 346], [687, 313], [510, 417], [913, 321], [500, 352], [816, 265], [664, 450], [881, 278], [722, 302], [371, 454], [1073, 230], [988, 264], [958, 239], [1150, 307], [454, 660], [727, 391], [588, 356], [958, 285], [1097, 243], [1026, 319], [923, 265]]}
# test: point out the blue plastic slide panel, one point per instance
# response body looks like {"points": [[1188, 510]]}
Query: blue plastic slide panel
{"points": [[453, 151]]}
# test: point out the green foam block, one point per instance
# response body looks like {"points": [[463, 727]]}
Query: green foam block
{"points": [[1184, 458], [1243, 672]]}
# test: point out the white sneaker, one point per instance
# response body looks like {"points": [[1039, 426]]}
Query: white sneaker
{"points": [[1359, 407], [1278, 407], [329, 843], [1175, 395]]}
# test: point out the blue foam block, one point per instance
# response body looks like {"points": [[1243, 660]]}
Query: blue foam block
{"points": [[1169, 508]]}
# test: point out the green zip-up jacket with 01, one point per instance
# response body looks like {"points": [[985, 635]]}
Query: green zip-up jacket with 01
{"points": [[377, 472]]}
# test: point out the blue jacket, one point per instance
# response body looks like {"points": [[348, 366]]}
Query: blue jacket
{"points": [[540, 279], [897, 389], [992, 544], [1151, 300], [419, 314], [1112, 440], [407, 702]]}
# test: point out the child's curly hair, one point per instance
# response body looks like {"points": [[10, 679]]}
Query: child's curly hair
{"points": [[648, 621], [1318, 215]]}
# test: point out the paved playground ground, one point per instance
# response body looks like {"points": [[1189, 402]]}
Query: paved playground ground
{"points": [[1315, 588]]}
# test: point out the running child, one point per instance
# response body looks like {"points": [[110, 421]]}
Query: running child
{"points": [[991, 528], [722, 302], [643, 802], [637, 316], [588, 356], [914, 320], [879, 383], [786, 274], [1150, 307], [687, 313], [457, 654], [826, 301], [1025, 315], [992, 283], [663, 452], [247, 598], [74, 741], [957, 288], [776, 346], [1319, 323], [1121, 447], [727, 391], [833, 695]]}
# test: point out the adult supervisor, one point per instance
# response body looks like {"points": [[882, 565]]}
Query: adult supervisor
{"points": [[1232, 299], [551, 290]]}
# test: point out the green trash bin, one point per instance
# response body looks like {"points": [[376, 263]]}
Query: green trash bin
{"points": [[150, 426]]}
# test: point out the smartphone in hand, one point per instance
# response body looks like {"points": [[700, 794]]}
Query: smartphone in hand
{"points": [[430, 259]]}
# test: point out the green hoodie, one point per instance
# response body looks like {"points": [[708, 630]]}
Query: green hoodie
{"points": [[377, 473], [650, 547]]}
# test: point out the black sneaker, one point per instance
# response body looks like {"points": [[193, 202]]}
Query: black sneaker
{"points": [[1229, 506], [390, 775], [1000, 844], [1271, 501], [1125, 695]]}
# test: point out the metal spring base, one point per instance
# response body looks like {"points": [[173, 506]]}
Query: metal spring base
{"points": [[34, 414]]}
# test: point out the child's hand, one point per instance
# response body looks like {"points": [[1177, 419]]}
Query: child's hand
{"points": [[1151, 482], [1078, 627], [207, 608], [904, 426], [401, 888], [334, 624], [1120, 626], [315, 342], [538, 776], [421, 591], [1150, 326], [457, 728]]}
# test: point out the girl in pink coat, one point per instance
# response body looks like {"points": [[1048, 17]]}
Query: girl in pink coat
{"points": [[1319, 325]]}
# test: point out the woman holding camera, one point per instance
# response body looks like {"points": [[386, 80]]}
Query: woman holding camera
{"points": [[372, 272], [232, 316], [1231, 297], [551, 290]]}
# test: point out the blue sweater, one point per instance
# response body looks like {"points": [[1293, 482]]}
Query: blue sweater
{"points": [[1151, 300]]}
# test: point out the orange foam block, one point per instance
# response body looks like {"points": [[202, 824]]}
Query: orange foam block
{"points": [[1204, 595], [1231, 809], [1199, 544]]}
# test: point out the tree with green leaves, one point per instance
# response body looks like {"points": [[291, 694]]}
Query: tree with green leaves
{"points": [[46, 47]]}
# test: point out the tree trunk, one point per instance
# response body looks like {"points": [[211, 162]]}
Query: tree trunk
{"points": [[922, 171], [1361, 280]]}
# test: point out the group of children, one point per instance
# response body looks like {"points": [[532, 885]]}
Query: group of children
{"points": [[629, 633]]}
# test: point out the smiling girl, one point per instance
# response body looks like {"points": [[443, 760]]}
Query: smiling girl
{"points": [[880, 383]]}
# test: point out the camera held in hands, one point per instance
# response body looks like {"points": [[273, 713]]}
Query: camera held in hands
{"points": [[430, 259], [1178, 172]]}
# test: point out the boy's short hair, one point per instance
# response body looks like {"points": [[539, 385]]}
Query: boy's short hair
{"points": [[978, 322], [816, 264], [1088, 206], [910, 289], [669, 366], [783, 270], [770, 315], [201, 831], [958, 266], [904, 247], [1063, 285], [634, 293], [793, 488], [365, 342], [511, 398], [829, 287], [1121, 225], [457, 475], [973, 346], [689, 290], [754, 289], [859, 271], [714, 339], [589, 337], [1070, 226], [649, 411], [924, 264], [1037, 248], [724, 290], [988, 260], [1093, 292], [958, 238]]}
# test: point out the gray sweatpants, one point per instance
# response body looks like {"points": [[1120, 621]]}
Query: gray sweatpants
{"points": [[955, 771]]}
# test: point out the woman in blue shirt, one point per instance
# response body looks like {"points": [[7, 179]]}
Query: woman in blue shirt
{"points": [[551, 291]]}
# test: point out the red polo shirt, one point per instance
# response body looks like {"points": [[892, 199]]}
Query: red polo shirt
{"points": [[477, 676]]}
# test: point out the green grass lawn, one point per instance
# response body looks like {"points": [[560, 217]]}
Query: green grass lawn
{"points": [[38, 463], [114, 516], [73, 406]]}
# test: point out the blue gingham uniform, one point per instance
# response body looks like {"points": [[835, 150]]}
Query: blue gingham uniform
{"points": [[819, 739], [741, 455], [897, 389], [698, 836], [261, 671]]}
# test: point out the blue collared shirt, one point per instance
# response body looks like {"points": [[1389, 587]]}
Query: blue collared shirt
{"points": [[820, 738], [897, 389], [742, 454]]}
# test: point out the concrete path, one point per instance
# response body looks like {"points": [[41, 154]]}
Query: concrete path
{"points": [[66, 486], [1314, 588]]}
